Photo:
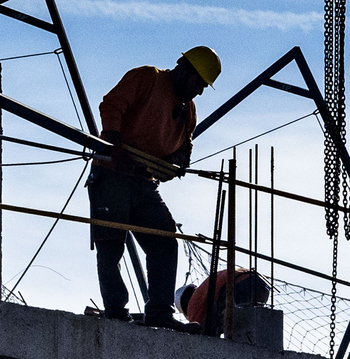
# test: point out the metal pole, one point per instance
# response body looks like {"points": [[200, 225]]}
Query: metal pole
{"points": [[250, 223], [245, 92], [215, 255], [68, 54], [46, 147], [256, 224], [1, 131], [344, 344], [85, 139], [231, 255], [272, 224], [135, 259], [321, 105], [250, 208]]}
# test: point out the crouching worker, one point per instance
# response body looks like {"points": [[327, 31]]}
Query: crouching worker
{"points": [[250, 290]]}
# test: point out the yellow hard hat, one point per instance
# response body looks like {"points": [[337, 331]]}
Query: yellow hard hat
{"points": [[205, 61]]}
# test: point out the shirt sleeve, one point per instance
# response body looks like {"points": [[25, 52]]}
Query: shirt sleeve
{"points": [[124, 96]]}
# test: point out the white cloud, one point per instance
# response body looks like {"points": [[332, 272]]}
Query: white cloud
{"points": [[187, 13]]}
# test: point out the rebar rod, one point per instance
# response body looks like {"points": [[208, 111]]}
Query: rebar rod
{"points": [[272, 225], [231, 252], [215, 255]]}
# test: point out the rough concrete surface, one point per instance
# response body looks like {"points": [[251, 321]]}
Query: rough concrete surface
{"points": [[35, 333]]}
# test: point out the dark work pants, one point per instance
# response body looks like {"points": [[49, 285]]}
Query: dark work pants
{"points": [[133, 200]]}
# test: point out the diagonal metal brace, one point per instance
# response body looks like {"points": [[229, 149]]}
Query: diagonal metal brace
{"points": [[27, 18], [246, 91], [57, 28], [264, 78], [94, 143]]}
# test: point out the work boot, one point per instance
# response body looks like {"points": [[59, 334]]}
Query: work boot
{"points": [[172, 323], [122, 315]]}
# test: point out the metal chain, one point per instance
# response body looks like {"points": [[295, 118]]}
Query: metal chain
{"points": [[333, 297], [340, 10], [335, 102], [331, 158]]}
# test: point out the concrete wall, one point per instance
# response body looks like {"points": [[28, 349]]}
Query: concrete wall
{"points": [[34, 333]]}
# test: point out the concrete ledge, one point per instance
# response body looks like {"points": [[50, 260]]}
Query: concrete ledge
{"points": [[259, 326], [34, 333]]}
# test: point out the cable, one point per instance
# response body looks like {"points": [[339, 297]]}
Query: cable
{"points": [[25, 56], [132, 285], [49, 233], [254, 137], [58, 52], [319, 122], [39, 266], [41, 163]]}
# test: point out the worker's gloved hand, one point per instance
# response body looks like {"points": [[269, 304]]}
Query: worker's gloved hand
{"points": [[181, 172], [179, 158], [121, 160], [162, 177]]}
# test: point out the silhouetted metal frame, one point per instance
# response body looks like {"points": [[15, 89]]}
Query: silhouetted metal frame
{"points": [[56, 27], [91, 140], [103, 147], [264, 78], [94, 143]]}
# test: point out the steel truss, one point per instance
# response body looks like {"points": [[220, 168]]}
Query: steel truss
{"points": [[265, 78], [56, 27], [102, 147]]}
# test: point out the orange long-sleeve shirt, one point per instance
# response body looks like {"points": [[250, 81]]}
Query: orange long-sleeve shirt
{"points": [[141, 108], [197, 306]]}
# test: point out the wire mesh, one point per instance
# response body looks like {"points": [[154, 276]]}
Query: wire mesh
{"points": [[306, 312]]}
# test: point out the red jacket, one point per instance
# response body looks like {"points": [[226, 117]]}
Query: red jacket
{"points": [[197, 306]]}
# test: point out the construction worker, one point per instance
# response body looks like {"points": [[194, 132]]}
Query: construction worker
{"points": [[151, 110], [250, 289]]}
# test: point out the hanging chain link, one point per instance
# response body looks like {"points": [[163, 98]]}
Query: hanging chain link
{"points": [[331, 157], [335, 128], [340, 11], [333, 297]]}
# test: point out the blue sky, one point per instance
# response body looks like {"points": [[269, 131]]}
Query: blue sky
{"points": [[107, 39]]}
